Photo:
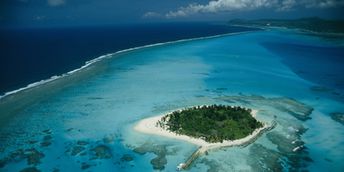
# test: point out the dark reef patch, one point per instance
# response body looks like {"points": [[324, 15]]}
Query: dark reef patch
{"points": [[337, 116], [101, 152], [108, 139], [264, 159], [33, 156], [47, 131], [76, 150], [291, 153], [127, 157], [47, 139], [160, 151], [85, 166], [45, 144], [292, 149], [30, 169], [159, 162], [89, 153], [82, 143]]}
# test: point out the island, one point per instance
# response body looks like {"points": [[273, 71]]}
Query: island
{"points": [[312, 25], [214, 123], [208, 126]]}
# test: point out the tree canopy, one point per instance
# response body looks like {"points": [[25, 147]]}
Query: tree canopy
{"points": [[214, 123]]}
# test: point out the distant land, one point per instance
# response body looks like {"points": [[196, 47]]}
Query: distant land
{"points": [[313, 25]]}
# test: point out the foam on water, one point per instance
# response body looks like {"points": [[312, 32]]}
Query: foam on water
{"points": [[90, 62], [89, 124]]}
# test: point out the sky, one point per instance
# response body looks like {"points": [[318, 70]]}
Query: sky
{"points": [[31, 13]]}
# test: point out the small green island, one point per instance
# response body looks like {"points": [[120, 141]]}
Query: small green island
{"points": [[213, 123]]}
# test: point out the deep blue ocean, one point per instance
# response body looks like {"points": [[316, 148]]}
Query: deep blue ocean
{"points": [[86, 120], [31, 55], [310, 63]]}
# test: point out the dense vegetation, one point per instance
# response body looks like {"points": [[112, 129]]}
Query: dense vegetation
{"points": [[214, 123]]}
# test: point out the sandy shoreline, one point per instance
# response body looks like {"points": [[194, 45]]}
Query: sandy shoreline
{"points": [[148, 126]]}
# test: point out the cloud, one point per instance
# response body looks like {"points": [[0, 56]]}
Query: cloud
{"points": [[322, 3], [286, 5], [151, 14], [55, 3], [215, 6], [219, 6]]}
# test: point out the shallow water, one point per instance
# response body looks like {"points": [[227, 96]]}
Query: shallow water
{"points": [[85, 122]]}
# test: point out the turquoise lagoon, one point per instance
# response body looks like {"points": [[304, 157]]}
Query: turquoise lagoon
{"points": [[84, 121]]}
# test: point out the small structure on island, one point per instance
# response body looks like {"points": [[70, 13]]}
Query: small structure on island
{"points": [[209, 126], [181, 166], [211, 123]]}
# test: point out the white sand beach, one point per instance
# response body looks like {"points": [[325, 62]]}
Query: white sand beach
{"points": [[149, 126]]}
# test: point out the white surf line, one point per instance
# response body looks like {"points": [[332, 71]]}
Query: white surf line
{"points": [[93, 61]]}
